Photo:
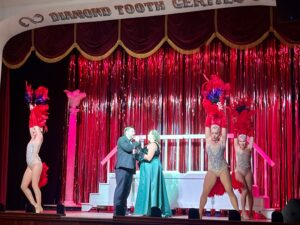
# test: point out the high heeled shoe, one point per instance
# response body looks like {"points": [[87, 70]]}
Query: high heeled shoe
{"points": [[38, 209]]}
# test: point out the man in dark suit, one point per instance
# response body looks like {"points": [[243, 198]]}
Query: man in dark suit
{"points": [[125, 168]]}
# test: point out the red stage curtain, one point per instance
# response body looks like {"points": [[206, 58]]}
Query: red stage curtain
{"points": [[163, 92], [241, 27]]}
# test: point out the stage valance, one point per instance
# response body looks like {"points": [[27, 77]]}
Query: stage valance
{"points": [[242, 28]]}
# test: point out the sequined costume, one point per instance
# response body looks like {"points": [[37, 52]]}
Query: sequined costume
{"points": [[243, 163], [32, 156], [216, 160]]}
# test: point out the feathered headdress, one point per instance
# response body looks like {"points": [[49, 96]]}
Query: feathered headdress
{"points": [[242, 117], [37, 101], [213, 92]]}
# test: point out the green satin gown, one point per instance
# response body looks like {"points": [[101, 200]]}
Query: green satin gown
{"points": [[152, 188]]}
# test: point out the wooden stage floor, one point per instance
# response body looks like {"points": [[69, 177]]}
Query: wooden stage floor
{"points": [[92, 218]]}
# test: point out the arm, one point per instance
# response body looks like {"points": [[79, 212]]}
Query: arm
{"points": [[39, 141], [223, 123], [207, 133], [235, 142], [151, 151], [250, 144], [126, 146], [224, 135], [31, 131]]}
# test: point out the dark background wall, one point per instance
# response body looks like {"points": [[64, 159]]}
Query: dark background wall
{"points": [[54, 76]]}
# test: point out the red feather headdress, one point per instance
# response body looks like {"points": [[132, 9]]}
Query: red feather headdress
{"points": [[242, 116], [214, 91], [39, 110]]}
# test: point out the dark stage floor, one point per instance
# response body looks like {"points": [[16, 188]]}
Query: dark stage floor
{"points": [[80, 218]]}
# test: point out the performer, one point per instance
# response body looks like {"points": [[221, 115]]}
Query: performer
{"points": [[152, 190], [37, 125], [125, 168], [243, 127], [214, 92]]}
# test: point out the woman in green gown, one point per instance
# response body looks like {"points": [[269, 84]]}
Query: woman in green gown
{"points": [[152, 188]]}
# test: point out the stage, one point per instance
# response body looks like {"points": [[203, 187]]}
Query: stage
{"points": [[107, 218]]}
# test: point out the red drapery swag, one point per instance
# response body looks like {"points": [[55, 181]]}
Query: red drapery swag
{"points": [[163, 92], [241, 27]]}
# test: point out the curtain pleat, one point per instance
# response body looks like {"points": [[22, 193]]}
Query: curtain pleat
{"points": [[142, 35], [244, 25], [53, 43], [96, 38]]}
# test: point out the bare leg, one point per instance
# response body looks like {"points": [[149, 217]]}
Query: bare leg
{"points": [[36, 173], [244, 194], [24, 186], [249, 182], [209, 182], [226, 181]]}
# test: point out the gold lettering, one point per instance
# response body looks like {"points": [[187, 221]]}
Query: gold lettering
{"points": [[160, 5], [187, 3], [149, 6], [69, 15], [78, 14], [54, 17], [96, 12], [120, 9], [62, 16], [129, 8], [139, 7], [88, 13], [199, 2], [106, 11]]}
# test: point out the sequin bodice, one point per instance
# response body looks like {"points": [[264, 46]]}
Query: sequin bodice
{"points": [[32, 155], [243, 160], [216, 160]]}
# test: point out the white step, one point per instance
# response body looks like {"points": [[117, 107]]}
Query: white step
{"points": [[260, 203], [86, 207], [268, 212], [184, 191]]}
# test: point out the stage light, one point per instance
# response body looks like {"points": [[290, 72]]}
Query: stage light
{"points": [[60, 209], [194, 214], [291, 212], [234, 215], [155, 212], [277, 217], [2, 207]]}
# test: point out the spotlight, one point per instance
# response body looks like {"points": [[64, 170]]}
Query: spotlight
{"points": [[277, 217], [60, 209], [194, 214], [155, 212], [234, 215]]}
